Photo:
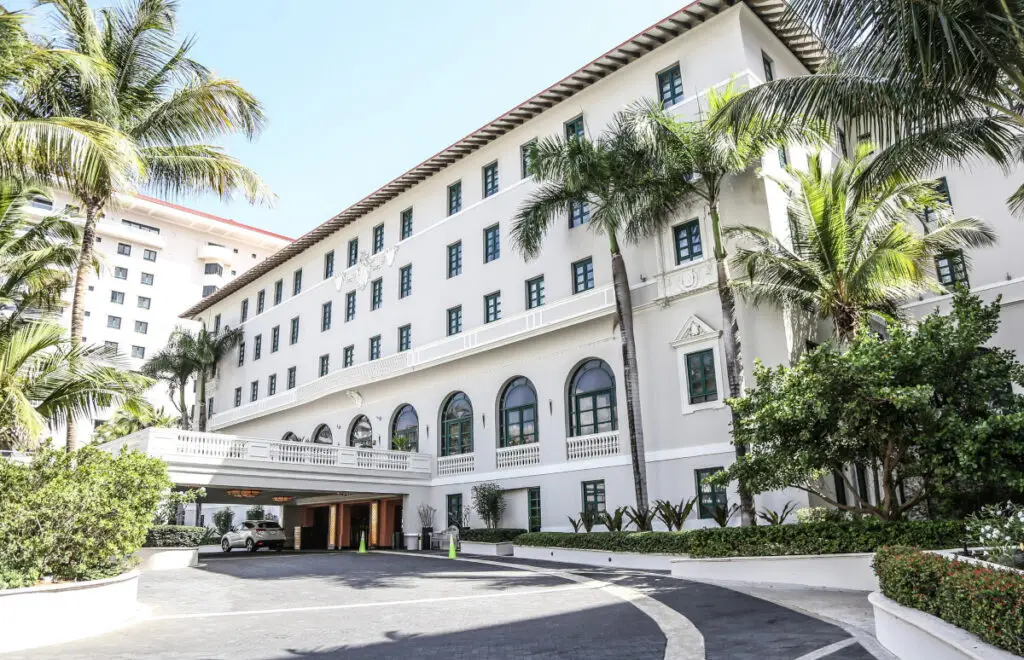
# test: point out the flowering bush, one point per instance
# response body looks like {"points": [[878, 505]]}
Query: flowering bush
{"points": [[1000, 528]]}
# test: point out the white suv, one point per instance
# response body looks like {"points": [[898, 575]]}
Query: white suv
{"points": [[253, 535]]}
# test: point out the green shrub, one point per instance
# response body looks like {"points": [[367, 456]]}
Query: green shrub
{"points": [[174, 536], [75, 516], [647, 542], [987, 602], [497, 535]]}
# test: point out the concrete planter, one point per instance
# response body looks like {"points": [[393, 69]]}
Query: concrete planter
{"points": [[649, 562], [412, 541], [840, 571], [503, 549], [165, 559], [58, 613], [910, 634]]}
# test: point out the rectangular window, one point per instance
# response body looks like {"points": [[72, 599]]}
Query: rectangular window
{"points": [[533, 509], [593, 496], [297, 282], [378, 238], [213, 269], [930, 214], [329, 265], [453, 504], [405, 281], [490, 179], [579, 214], [783, 158], [325, 316], [117, 297], [257, 347], [241, 353], [245, 310], [405, 338], [325, 364], [238, 396], [492, 307], [406, 223], [124, 249], [583, 275], [525, 156], [114, 322], [254, 390], [142, 327], [120, 273], [454, 320], [291, 378], [139, 352], [350, 306], [149, 255], [841, 138], [278, 292], [700, 376], [455, 198], [209, 408], [261, 301], [688, 244], [144, 302], [209, 290], [952, 269], [353, 252], [492, 244], [348, 356], [375, 347], [216, 322], [376, 294], [140, 226], [535, 292], [710, 497], [271, 384], [769, 67], [275, 338], [108, 345], [670, 86], [574, 128], [455, 259], [294, 336]]}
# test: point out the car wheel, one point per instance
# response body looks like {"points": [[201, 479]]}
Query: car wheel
{"points": [[279, 547], [225, 545], [249, 545]]}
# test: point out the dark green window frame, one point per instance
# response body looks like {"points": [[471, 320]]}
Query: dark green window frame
{"points": [[291, 378], [404, 338], [353, 252], [670, 86], [579, 214], [405, 281], [455, 198], [278, 292], [241, 352], [454, 320], [492, 243], [275, 338], [375, 347], [525, 154], [348, 356], [594, 410], [688, 243], [769, 67], [257, 347], [709, 497], [575, 128], [593, 496], [583, 275], [455, 259], [535, 292], [378, 238], [533, 509], [271, 384], [701, 376], [783, 158], [931, 215], [350, 306], [490, 179], [254, 390], [325, 364], [453, 504], [261, 301], [492, 307], [297, 282], [951, 269], [329, 265], [518, 422], [325, 316], [238, 396], [457, 430], [376, 293], [293, 337], [406, 223], [245, 311]]}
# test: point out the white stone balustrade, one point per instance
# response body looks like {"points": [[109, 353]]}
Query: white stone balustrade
{"points": [[598, 445], [448, 466], [518, 456]]}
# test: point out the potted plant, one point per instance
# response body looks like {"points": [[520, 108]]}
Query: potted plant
{"points": [[426, 514]]}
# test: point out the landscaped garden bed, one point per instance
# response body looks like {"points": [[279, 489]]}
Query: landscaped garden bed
{"points": [[170, 546]]}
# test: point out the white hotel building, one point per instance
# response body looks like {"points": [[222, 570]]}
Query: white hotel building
{"points": [[408, 315]]}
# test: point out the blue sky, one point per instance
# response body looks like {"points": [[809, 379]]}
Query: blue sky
{"points": [[358, 92]]}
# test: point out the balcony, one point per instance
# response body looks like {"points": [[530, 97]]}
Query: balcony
{"points": [[449, 466], [598, 445], [518, 456]]}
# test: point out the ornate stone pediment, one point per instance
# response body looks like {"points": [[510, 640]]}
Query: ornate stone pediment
{"points": [[363, 271], [694, 329]]}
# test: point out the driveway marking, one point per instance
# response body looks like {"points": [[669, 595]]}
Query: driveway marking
{"points": [[828, 650]]}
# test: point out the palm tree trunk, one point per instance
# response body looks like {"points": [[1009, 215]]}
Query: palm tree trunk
{"points": [[733, 352], [202, 399], [183, 406], [85, 257], [631, 371]]}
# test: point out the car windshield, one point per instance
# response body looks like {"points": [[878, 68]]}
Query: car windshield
{"points": [[270, 525]]}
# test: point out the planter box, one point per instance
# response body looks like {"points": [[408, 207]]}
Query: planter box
{"points": [[58, 613], [165, 559], [910, 634], [642, 561], [840, 571], [412, 541], [503, 549]]}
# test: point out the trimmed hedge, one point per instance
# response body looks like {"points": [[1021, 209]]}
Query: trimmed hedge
{"points": [[987, 602], [646, 542], [174, 536], [500, 535]]}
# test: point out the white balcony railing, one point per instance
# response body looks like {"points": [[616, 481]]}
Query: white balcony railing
{"points": [[509, 458], [448, 466], [597, 445]]}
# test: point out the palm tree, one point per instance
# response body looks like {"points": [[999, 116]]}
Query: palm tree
{"points": [[174, 365], [205, 350], [703, 155], [629, 198], [940, 83], [167, 104], [127, 421], [848, 255]]}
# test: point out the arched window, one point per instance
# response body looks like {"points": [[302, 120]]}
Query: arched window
{"points": [[517, 410], [323, 436], [290, 437], [457, 425], [405, 429], [592, 399], [360, 434]]}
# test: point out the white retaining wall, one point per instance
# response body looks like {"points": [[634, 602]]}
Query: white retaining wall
{"points": [[488, 549], [841, 571], [164, 559], [650, 562]]}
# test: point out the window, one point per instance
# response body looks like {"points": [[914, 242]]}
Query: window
{"points": [[517, 412], [275, 338], [492, 243], [405, 281], [455, 198], [109, 345], [406, 222], [592, 399], [783, 158], [350, 306], [291, 378], [583, 275], [404, 338], [323, 436], [297, 282], [348, 356], [378, 238], [574, 128], [405, 429], [278, 292], [147, 279], [491, 179], [952, 269], [535, 292], [457, 425], [114, 322], [841, 138], [209, 407], [533, 509], [216, 323], [294, 336], [213, 269], [700, 376], [124, 249], [769, 67], [257, 347], [145, 302], [325, 316], [376, 293], [329, 265], [140, 226], [930, 214], [492, 307], [525, 156], [40, 202], [209, 290], [254, 390], [149, 255], [579, 214], [453, 505], [139, 352], [261, 301], [142, 327], [271, 384], [688, 243], [353, 252], [670, 86], [710, 497], [117, 297], [593, 496], [245, 311], [454, 320], [241, 353], [455, 259], [325, 364], [375, 347], [360, 434], [120, 273], [238, 396]]}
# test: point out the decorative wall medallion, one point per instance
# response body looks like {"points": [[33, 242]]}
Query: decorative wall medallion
{"points": [[365, 267], [694, 329]]}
